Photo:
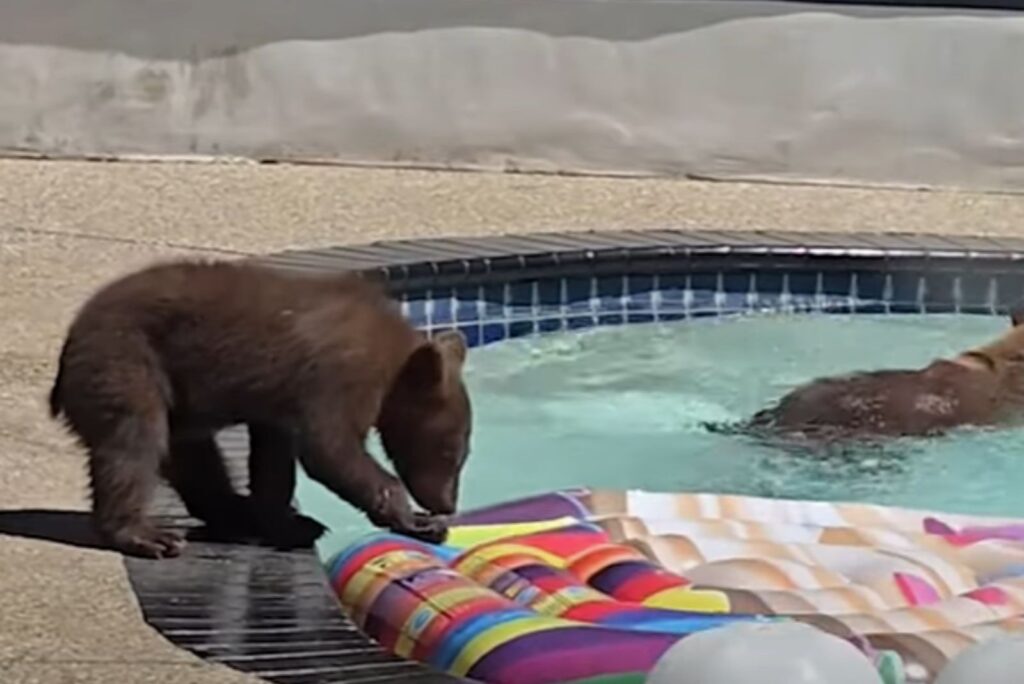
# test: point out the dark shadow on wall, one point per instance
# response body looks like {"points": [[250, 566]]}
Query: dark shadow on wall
{"points": [[191, 30]]}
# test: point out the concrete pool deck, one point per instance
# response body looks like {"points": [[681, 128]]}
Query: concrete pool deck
{"points": [[68, 614]]}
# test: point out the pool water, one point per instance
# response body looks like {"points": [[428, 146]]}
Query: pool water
{"points": [[624, 407]]}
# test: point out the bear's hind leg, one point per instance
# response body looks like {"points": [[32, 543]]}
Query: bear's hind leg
{"points": [[123, 468], [114, 398]]}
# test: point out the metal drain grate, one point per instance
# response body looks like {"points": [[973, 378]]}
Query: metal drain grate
{"points": [[265, 612]]}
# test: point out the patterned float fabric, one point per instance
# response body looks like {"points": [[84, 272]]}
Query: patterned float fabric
{"points": [[593, 586]]}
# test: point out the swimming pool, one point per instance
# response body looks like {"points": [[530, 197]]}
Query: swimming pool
{"points": [[625, 407], [596, 358]]}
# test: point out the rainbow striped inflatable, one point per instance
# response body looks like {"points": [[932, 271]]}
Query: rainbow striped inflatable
{"points": [[594, 586]]}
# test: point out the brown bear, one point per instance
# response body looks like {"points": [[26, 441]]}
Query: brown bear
{"points": [[159, 360], [981, 387]]}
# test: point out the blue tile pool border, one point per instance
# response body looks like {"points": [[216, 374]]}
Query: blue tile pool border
{"points": [[272, 614], [498, 288]]}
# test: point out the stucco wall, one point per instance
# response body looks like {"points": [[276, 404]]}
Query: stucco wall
{"points": [[714, 88]]}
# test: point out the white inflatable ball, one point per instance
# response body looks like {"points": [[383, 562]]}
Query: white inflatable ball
{"points": [[996, 661], [763, 653]]}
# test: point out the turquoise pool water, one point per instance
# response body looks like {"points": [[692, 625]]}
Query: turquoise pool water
{"points": [[623, 407]]}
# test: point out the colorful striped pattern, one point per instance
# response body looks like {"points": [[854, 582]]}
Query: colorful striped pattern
{"points": [[593, 586]]}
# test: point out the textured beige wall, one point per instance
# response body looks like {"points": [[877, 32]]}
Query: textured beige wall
{"points": [[702, 87]]}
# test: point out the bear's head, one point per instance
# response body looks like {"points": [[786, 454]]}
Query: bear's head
{"points": [[426, 420], [1004, 356]]}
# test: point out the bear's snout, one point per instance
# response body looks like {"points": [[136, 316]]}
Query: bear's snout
{"points": [[439, 498]]}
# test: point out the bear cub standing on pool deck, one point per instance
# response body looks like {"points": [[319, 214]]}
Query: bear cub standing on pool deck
{"points": [[159, 360], [981, 387]]}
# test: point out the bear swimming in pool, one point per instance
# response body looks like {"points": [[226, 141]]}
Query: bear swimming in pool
{"points": [[980, 387]]}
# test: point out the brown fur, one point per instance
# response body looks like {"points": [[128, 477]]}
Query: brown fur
{"points": [[156, 362], [981, 387]]}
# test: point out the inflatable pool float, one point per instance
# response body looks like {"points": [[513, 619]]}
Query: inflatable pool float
{"points": [[594, 586]]}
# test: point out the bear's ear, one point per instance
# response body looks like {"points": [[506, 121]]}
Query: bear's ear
{"points": [[435, 362], [424, 369], [452, 344]]}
